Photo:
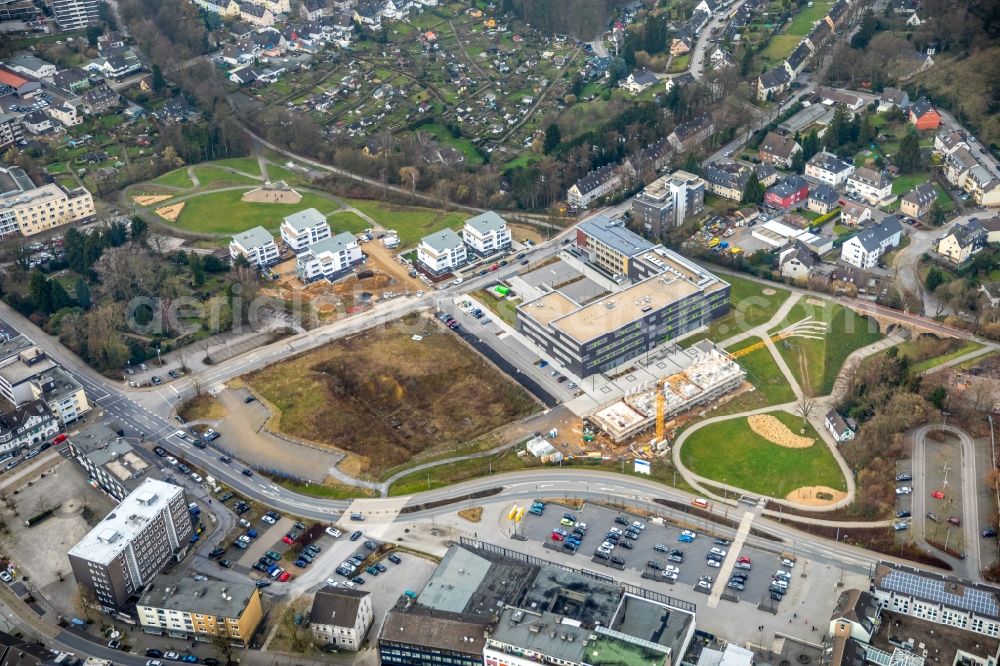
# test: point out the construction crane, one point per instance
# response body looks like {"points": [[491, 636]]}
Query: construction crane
{"points": [[758, 345], [661, 401]]}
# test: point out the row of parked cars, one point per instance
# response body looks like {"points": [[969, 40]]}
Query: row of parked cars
{"points": [[448, 320]]}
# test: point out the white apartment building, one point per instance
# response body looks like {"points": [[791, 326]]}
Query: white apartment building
{"points": [[873, 187], [29, 210], [865, 249], [935, 598], [486, 234], [340, 617], [304, 228], [24, 426], [27, 374], [76, 14], [441, 252], [65, 113], [256, 246], [331, 258], [828, 168], [119, 557]]}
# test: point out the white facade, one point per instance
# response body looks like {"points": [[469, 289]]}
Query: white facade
{"points": [[872, 187], [828, 168], [486, 234], [865, 249], [330, 258], [42, 208], [303, 229], [347, 632], [256, 246], [441, 252]]}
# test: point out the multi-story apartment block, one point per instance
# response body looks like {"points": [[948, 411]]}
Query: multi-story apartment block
{"points": [[110, 461], [27, 374], [76, 14], [117, 559], [593, 186], [486, 234], [667, 202], [963, 241], [256, 246], [181, 607], [828, 168], [304, 228], [873, 187], [29, 210], [441, 252], [62, 393], [340, 617], [27, 425], [865, 249], [331, 258]]}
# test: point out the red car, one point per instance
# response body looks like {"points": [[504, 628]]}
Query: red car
{"points": [[557, 537], [744, 559], [937, 494], [287, 539], [284, 577]]}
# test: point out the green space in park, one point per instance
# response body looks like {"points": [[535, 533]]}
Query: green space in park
{"points": [[223, 212], [176, 178], [730, 452], [210, 175], [763, 372], [346, 220], [815, 361], [909, 347], [411, 223], [749, 306]]}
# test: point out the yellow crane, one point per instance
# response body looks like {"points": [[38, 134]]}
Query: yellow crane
{"points": [[758, 345]]}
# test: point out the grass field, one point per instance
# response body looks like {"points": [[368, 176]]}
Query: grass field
{"points": [[224, 213], [782, 45], [444, 137], [175, 178], [347, 221], [816, 362], [411, 223], [910, 349], [245, 164], [385, 397], [903, 184], [764, 373], [750, 307], [201, 407], [504, 308], [214, 176], [731, 452]]}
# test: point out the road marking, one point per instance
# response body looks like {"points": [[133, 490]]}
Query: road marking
{"points": [[730, 561]]}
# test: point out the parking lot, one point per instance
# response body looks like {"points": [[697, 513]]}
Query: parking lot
{"points": [[694, 553]]}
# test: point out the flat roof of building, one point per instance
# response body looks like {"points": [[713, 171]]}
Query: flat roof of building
{"points": [[305, 219], [978, 598], [616, 310], [333, 244], [110, 536], [486, 222], [652, 622], [548, 308], [545, 633], [550, 275], [583, 291], [442, 241], [253, 237], [614, 234], [572, 595], [17, 371], [205, 597], [435, 629], [471, 581]]}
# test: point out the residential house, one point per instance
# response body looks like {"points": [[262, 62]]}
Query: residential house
{"points": [[255, 245], [255, 14], [983, 186], [822, 199], [99, 100], [857, 613], [837, 13], [72, 81], [709, 6], [243, 75], [368, 14], [963, 241], [682, 80], [796, 60], [441, 252], [65, 113], [924, 116], [340, 618], [688, 134], [653, 157], [594, 185], [62, 393], [224, 8], [947, 141], [182, 607], [917, 202], [957, 165], [854, 214], [729, 180], [313, 10], [838, 427], [819, 33], [638, 81], [865, 249], [772, 83], [486, 234], [177, 110], [681, 45], [893, 98], [992, 227], [25, 426], [304, 228], [779, 150], [330, 259], [37, 122], [797, 262], [874, 187], [828, 168], [787, 192], [836, 97]]}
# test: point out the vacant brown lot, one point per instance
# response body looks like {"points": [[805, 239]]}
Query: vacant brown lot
{"points": [[386, 397]]}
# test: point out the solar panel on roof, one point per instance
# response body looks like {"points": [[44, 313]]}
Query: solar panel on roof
{"points": [[971, 599]]}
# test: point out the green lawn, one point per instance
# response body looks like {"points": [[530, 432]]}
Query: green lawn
{"points": [[410, 223], [780, 47], [903, 184], [927, 364], [823, 357], [293, 178], [764, 374], [175, 178], [750, 307], [347, 221], [245, 164], [504, 308], [731, 452], [224, 213], [214, 176]]}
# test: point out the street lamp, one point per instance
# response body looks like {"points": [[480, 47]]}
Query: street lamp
{"points": [[158, 361]]}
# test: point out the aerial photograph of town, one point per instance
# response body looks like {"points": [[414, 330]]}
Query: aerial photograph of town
{"points": [[499, 332]]}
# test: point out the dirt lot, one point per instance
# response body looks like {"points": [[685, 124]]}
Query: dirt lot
{"points": [[386, 397], [39, 552]]}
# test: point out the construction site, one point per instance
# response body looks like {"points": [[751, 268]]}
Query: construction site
{"points": [[710, 374]]}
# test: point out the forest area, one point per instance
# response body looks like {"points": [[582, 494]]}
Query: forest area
{"points": [[585, 20]]}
